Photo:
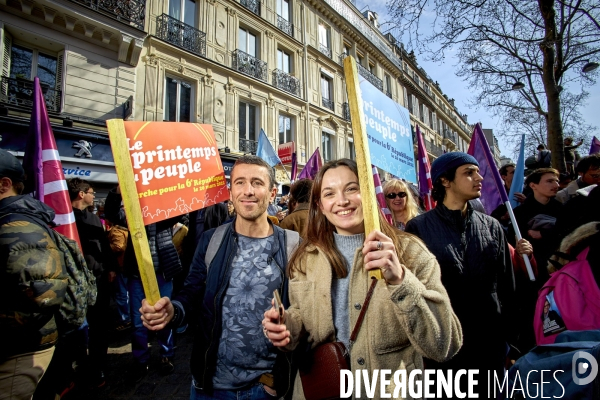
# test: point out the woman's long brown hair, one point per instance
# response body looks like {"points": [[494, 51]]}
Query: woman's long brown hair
{"points": [[319, 231]]}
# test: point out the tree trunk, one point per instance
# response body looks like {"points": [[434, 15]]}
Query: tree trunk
{"points": [[553, 121]]}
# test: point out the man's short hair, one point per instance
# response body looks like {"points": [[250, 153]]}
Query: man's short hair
{"points": [[504, 169], [300, 190], [536, 175], [254, 160], [569, 138], [77, 185], [587, 162], [541, 147]]}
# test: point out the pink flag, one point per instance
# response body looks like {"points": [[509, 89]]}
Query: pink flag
{"points": [[44, 169], [425, 184], [380, 196]]}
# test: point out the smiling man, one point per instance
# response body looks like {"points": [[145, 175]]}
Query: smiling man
{"points": [[475, 262], [231, 357]]}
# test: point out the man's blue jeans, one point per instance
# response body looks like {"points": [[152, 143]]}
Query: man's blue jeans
{"points": [[139, 339], [122, 297], [256, 392]]}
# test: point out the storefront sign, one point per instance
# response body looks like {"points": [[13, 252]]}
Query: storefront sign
{"points": [[284, 151]]}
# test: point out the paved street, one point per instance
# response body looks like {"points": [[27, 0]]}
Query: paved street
{"points": [[154, 386]]}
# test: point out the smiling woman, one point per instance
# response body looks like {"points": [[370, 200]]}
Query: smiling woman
{"points": [[329, 272]]}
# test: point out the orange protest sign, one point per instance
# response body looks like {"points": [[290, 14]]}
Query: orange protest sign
{"points": [[176, 167]]}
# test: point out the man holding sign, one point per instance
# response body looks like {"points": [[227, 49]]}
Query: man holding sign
{"points": [[234, 273]]}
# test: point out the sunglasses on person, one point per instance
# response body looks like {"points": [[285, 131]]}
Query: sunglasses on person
{"points": [[393, 195]]}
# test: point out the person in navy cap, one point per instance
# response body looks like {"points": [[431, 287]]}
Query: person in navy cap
{"points": [[476, 266]]}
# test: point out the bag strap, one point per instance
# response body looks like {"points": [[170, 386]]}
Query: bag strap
{"points": [[214, 244], [363, 311], [292, 238]]}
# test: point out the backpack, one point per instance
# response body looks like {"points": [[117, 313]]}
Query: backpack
{"points": [[569, 354], [81, 289], [545, 159], [292, 239], [569, 300]]}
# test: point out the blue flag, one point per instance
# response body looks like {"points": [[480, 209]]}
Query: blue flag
{"points": [[265, 150], [519, 176]]}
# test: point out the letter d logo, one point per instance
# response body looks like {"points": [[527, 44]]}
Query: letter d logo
{"points": [[581, 368]]}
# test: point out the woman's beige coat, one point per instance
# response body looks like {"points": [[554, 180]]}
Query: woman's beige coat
{"points": [[403, 323]]}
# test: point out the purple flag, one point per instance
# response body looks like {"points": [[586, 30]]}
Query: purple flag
{"points": [[425, 184], [380, 196], [32, 160], [492, 192], [595, 147], [312, 166]]}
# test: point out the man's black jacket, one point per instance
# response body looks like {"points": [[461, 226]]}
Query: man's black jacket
{"points": [[476, 271]]}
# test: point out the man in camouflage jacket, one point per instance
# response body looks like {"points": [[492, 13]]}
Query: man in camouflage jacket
{"points": [[33, 283]]}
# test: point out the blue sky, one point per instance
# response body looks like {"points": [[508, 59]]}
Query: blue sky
{"points": [[455, 88]]}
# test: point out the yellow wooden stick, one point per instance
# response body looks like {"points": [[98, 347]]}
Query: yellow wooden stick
{"points": [[363, 158], [137, 231]]}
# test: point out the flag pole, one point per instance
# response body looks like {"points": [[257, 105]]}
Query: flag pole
{"points": [[363, 158]]}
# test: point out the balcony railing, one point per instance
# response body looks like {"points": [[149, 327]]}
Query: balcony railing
{"points": [[284, 81], [249, 65], [248, 146], [325, 50], [327, 103], [433, 149], [346, 111], [181, 35], [365, 73], [252, 5], [450, 136], [19, 92], [130, 12], [285, 25]]}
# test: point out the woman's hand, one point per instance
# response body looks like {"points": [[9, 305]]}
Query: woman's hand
{"points": [[380, 252], [274, 327]]}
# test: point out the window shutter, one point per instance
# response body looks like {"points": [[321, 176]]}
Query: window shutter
{"points": [[6, 48], [60, 78]]}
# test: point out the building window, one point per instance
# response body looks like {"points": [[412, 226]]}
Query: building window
{"points": [[347, 48], [372, 68], [388, 85], [247, 42], [283, 9], [326, 146], [359, 58], [284, 61], [183, 10], [248, 121], [326, 92], [178, 100], [351, 150], [324, 39], [286, 133], [28, 63]]}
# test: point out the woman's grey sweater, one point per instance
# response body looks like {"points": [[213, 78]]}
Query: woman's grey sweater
{"points": [[347, 245]]}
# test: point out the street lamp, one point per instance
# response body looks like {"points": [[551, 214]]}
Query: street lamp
{"points": [[518, 85], [589, 66]]}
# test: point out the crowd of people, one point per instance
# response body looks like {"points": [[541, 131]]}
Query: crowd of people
{"points": [[454, 293]]}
